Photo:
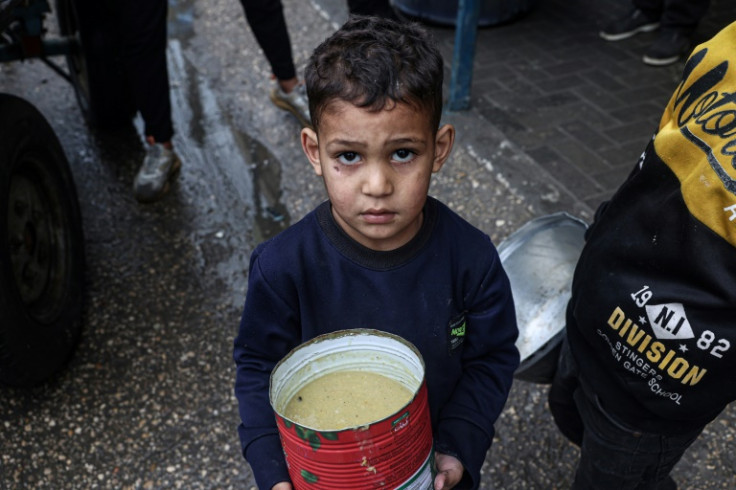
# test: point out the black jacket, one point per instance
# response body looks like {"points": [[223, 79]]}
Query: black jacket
{"points": [[652, 318]]}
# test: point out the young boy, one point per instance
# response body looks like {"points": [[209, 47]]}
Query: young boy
{"points": [[650, 352], [380, 253]]}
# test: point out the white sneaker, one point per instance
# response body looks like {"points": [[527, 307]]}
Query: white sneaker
{"points": [[158, 168], [295, 102]]}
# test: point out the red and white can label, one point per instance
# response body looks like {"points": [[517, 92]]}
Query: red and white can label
{"points": [[394, 453]]}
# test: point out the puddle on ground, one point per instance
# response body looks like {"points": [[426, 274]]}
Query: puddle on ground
{"points": [[245, 164], [271, 216]]}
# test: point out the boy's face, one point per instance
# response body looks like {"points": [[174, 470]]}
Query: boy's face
{"points": [[377, 166]]}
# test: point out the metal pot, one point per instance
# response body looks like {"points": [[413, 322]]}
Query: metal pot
{"points": [[540, 259]]}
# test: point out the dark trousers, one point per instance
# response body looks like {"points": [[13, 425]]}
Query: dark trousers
{"points": [[380, 8], [142, 28], [613, 455], [682, 15], [266, 20]]}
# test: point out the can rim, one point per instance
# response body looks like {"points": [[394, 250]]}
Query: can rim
{"points": [[278, 402]]}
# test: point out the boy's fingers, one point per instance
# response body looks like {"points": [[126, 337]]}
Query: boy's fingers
{"points": [[439, 481], [449, 472]]}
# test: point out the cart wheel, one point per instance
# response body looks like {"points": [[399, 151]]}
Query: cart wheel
{"points": [[94, 65], [41, 248]]}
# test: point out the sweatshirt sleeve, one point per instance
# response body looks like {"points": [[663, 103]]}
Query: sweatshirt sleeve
{"points": [[490, 357], [266, 334]]}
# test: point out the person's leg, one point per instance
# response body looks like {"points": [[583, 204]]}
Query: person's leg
{"points": [[683, 15], [652, 9], [678, 22], [266, 20], [143, 31], [380, 8], [614, 455], [642, 17]]}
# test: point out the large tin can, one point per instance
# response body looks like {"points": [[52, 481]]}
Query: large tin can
{"points": [[394, 452]]}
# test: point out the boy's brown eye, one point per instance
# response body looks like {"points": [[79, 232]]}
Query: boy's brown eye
{"points": [[403, 155], [348, 157]]}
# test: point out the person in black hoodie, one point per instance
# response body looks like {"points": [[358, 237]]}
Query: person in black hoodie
{"points": [[650, 351]]}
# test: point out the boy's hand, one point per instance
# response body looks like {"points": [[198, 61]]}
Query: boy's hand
{"points": [[449, 471], [284, 485]]}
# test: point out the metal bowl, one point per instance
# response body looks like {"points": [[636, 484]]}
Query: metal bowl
{"points": [[540, 259]]}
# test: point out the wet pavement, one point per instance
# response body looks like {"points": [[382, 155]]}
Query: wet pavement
{"points": [[146, 401]]}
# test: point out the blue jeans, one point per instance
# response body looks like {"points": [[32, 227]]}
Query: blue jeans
{"points": [[613, 455]]}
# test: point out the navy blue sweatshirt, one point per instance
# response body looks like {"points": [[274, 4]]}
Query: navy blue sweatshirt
{"points": [[313, 279], [652, 318]]}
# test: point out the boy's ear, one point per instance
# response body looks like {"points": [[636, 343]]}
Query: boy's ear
{"points": [[310, 145], [443, 142]]}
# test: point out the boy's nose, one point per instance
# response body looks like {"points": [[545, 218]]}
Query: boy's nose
{"points": [[377, 181]]}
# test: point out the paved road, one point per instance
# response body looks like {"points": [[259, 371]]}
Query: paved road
{"points": [[147, 400]]}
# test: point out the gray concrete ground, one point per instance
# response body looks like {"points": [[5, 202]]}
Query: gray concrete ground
{"points": [[557, 118]]}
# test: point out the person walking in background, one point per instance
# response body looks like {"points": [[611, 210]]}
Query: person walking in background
{"points": [[675, 19], [142, 27], [266, 20]]}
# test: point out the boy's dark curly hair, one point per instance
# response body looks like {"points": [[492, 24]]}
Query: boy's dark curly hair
{"points": [[371, 62]]}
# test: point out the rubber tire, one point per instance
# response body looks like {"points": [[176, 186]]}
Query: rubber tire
{"points": [[41, 241], [94, 65]]}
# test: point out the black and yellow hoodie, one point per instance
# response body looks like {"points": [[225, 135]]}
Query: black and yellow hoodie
{"points": [[652, 319]]}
